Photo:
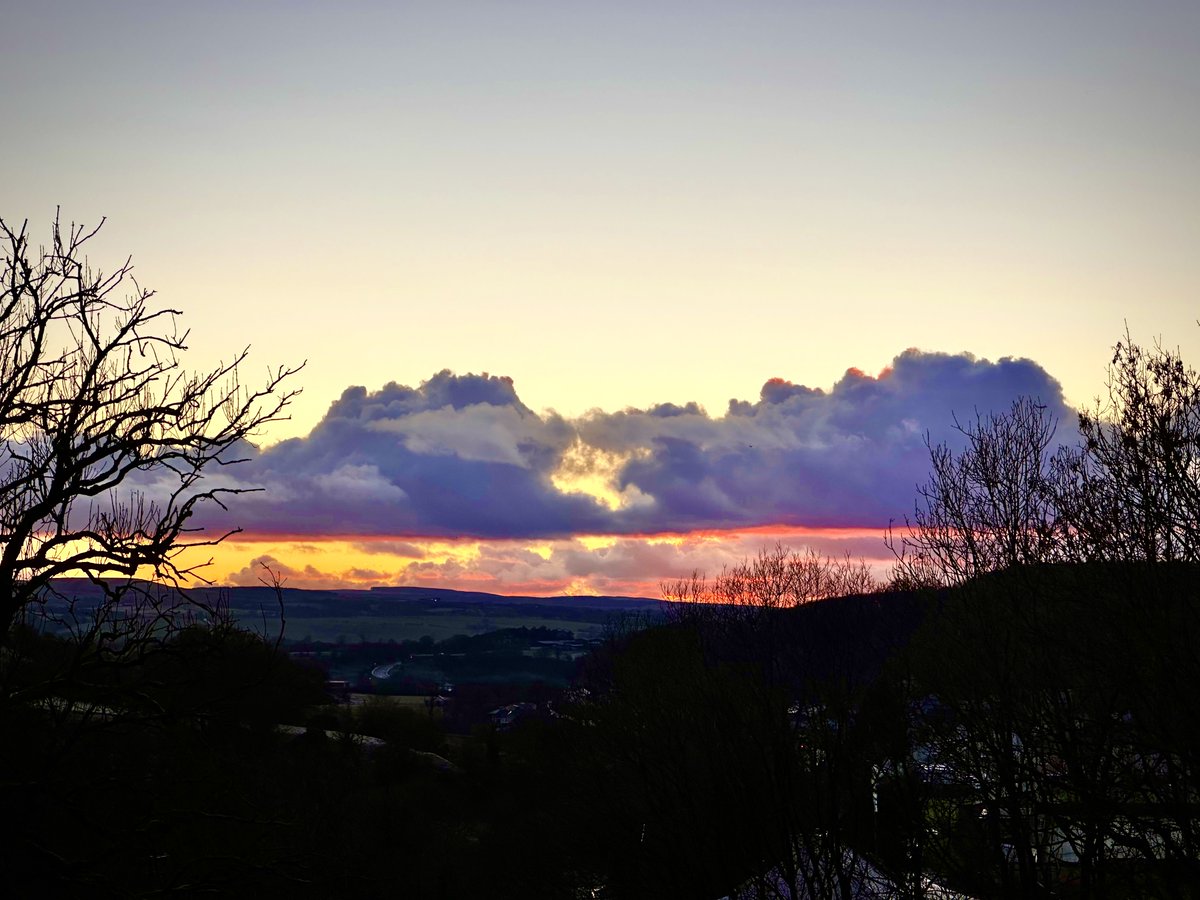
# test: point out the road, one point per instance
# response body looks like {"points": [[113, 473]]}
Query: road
{"points": [[384, 672]]}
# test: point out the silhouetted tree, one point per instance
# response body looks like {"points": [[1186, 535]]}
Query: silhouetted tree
{"points": [[777, 578], [990, 506], [105, 442], [1054, 696], [94, 397], [1131, 490]]}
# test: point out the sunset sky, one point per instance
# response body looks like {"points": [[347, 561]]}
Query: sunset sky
{"points": [[561, 271]]}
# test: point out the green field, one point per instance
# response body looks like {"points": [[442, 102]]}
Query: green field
{"points": [[399, 701], [439, 626]]}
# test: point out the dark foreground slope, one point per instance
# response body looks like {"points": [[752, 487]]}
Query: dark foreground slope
{"points": [[1033, 733], [1030, 734]]}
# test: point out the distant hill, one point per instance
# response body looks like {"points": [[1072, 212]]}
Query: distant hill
{"points": [[597, 602], [83, 590], [384, 613]]}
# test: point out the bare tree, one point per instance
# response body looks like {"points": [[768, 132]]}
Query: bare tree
{"points": [[1131, 490], [94, 398], [1064, 691], [989, 507], [778, 578]]}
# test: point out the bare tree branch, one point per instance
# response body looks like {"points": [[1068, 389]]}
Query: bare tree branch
{"points": [[94, 397]]}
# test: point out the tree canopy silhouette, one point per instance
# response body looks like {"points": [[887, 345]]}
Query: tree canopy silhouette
{"points": [[1127, 491], [105, 436]]}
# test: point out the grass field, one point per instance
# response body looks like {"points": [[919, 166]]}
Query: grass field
{"points": [[439, 626], [400, 701]]}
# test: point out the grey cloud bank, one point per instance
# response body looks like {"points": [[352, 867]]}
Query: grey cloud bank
{"points": [[461, 455]]}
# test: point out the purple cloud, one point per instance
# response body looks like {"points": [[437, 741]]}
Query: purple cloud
{"points": [[462, 455], [457, 455], [801, 456]]}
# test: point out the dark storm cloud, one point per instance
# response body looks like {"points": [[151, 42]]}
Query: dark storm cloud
{"points": [[461, 455]]}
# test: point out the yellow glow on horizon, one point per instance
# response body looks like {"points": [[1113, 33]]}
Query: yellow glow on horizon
{"points": [[578, 587], [538, 567], [313, 561], [598, 564]]}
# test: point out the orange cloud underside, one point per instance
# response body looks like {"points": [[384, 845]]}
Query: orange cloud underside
{"points": [[584, 564]]}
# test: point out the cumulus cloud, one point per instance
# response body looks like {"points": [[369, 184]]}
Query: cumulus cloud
{"points": [[457, 455], [462, 455], [805, 456]]}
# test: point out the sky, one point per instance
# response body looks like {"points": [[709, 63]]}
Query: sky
{"points": [[532, 251]]}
